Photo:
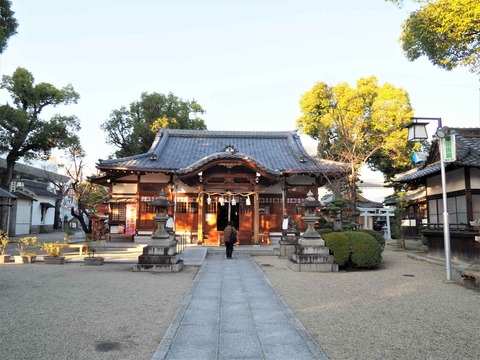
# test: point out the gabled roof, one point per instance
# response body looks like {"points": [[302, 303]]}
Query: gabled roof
{"points": [[468, 155], [30, 189], [182, 151], [5, 194], [31, 172]]}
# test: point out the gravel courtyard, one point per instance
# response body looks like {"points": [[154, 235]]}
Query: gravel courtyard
{"points": [[404, 310]]}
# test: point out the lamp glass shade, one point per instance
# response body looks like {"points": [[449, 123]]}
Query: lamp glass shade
{"points": [[443, 132], [417, 131]]}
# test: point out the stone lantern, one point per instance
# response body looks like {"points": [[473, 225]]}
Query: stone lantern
{"points": [[310, 218], [161, 204], [160, 254], [310, 253]]}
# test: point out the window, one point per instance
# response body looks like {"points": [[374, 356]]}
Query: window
{"points": [[476, 206], [187, 205], [144, 204], [212, 208], [119, 211], [457, 211]]}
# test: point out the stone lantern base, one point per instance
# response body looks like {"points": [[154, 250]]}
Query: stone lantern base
{"points": [[160, 256], [311, 254], [312, 258]]}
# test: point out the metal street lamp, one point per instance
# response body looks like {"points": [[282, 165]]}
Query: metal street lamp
{"points": [[417, 132]]}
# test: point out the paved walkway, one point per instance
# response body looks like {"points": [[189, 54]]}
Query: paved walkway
{"points": [[232, 312]]}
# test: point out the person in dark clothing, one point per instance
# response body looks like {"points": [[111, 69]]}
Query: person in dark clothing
{"points": [[229, 229]]}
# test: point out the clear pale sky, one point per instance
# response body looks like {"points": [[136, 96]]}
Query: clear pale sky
{"points": [[246, 62]]}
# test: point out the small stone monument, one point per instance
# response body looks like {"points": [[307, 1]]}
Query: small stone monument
{"points": [[310, 253], [160, 254]]}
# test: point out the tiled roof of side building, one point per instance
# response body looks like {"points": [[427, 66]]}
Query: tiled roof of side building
{"points": [[185, 150], [467, 142]]}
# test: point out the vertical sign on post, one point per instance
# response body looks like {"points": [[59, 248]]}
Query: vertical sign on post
{"points": [[130, 218], [449, 148]]}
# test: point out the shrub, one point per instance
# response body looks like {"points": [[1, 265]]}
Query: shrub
{"points": [[324, 231], [340, 246], [424, 240], [366, 252], [377, 235], [27, 245], [52, 249], [4, 240], [328, 225], [69, 232]]}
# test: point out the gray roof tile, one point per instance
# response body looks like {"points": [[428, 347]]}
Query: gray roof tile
{"points": [[186, 150], [468, 154]]}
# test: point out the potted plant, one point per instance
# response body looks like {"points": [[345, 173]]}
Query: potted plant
{"points": [[53, 254], [27, 249], [4, 240], [91, 259]]}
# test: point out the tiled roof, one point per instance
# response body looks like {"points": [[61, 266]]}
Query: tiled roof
{"points": [[38, 188], [468, 154], [5, 194], [186, 150], [32, 172]]}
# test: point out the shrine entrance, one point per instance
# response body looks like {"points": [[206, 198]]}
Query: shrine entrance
{"points": [[226, 213]]}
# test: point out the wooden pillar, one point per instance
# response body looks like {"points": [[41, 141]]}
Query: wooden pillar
{"points": [[201, 214], [256, 216], [138, 197]]}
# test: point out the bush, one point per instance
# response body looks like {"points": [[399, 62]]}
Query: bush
{"points": [[377, 235], [340, 246], [324, 231], [366, 252], [52, 249]]}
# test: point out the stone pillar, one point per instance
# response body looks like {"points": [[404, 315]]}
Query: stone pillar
{"points": [[310, 253]]}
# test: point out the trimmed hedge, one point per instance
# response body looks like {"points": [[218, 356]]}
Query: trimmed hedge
{"points": [[377, 235], [353, 249], [366, 252], [340, 246]]}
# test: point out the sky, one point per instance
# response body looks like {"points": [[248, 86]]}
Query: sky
{"points": [[247, 63]]}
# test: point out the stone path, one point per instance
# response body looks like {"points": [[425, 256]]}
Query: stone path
{"points": [[233, 312]]}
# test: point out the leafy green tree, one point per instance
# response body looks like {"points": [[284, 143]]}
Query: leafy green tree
{"points": [[359, 125], [23, 134], [8, 24], [133, 130], [445, 31]]}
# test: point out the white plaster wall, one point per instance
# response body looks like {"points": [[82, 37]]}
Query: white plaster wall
{"points": [[475, 178], [455, 180], [37, 211]]}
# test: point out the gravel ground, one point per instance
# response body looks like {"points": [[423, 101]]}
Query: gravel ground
{"points": [[74, 311], [404, 310]]}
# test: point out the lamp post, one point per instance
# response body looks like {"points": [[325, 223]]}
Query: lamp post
{"points": [[417, 132]]}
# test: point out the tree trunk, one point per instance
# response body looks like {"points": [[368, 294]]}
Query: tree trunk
{"points": [[80, 219], [56, 221], [8, 174]]}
